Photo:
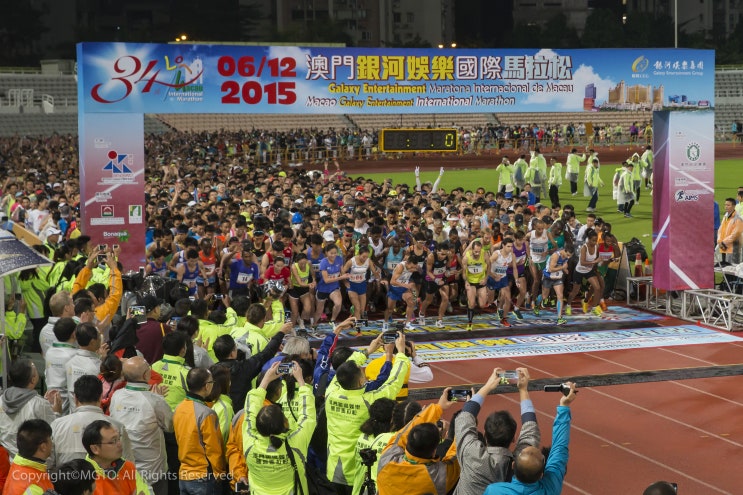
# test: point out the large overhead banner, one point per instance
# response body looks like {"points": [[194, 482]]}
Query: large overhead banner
{"points": [[183, 78]]}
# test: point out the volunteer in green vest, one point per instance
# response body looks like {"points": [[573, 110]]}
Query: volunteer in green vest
{"points": [[572, 163], [346, 407]]}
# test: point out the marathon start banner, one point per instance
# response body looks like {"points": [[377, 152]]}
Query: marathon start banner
{"points": [[184, 78]]}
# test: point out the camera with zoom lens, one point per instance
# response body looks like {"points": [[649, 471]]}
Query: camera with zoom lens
{"points": [[368, 456]]}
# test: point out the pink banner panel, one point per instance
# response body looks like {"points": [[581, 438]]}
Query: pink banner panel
{"points": [[112, 183], [683, 196]]}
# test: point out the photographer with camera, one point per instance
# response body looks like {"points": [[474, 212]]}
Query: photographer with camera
{"points": [[375, 434], [420, 371], [410, 458], [330, 357], [488, 461], [274, 451], [346, 409], [532, 473]]}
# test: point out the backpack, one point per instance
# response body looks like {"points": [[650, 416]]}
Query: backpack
{"points": [[633, 247]]}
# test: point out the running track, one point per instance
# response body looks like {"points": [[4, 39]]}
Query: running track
{"points": [[624, 437]]}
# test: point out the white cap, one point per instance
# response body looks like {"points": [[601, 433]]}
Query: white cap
{"points": [[265, 204], [52, 231], [192, 203], [328, 236]]}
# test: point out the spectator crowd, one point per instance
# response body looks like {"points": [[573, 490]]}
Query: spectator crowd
{"points": [[206, 381]]}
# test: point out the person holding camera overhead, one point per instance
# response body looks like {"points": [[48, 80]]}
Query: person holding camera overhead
{"points": [[346, 409], [269, 441], [533, 474], [491, 460]]}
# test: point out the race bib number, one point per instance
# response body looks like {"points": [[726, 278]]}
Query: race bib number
{"points": [[209, 268], [474, 269], [538, 248], [244, 278], [391, 265], [605, 256], [556, 275], [357, 277], [316, 266], [439, 271]]}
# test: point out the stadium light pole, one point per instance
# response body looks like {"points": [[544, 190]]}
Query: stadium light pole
{"points": [[675, 23]]}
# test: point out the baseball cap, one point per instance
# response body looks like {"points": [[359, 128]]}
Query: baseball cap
{"points": [[452, 217], [52, 231], [149, 302], [265, 204], [192, 203], [518, 219], [297, 218], [56, 184], [393, 193], [282, 174], [328, 236]]}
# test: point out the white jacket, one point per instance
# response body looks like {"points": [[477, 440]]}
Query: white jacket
{"points": [[55, 370], [16, 406], [84, 362], [146, 416], [67, 434]]}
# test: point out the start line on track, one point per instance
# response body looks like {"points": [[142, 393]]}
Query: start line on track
{"points": [[568, 343]]}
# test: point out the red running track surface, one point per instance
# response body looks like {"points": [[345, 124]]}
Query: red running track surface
{"points": [[624, 437]]}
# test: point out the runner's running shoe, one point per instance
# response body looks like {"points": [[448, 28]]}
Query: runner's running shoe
{"points": [[585, 306], [505, 323], [597, 311], [603, 306], [500, 314], [385, 326], [561, 321], [517, 313], [409, 326], [421, 320], [439, 323], [469, 327], [536, 309], [568, 310]]}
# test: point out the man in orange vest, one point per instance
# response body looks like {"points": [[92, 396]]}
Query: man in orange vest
{"points": [[730, 230], [28, 473], [116, 476]]}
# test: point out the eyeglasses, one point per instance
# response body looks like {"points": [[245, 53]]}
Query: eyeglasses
{"points": [[113, 441]]}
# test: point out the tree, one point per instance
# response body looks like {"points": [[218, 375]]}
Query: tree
{"points": [[526, 36], [557, 34], [603, 30]]}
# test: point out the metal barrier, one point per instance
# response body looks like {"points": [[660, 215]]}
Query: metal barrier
{"points": [[716, 308]]}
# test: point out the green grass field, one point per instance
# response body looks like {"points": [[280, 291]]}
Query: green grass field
{"points": [[728, 176]]}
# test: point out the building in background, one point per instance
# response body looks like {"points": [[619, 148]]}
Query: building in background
{"points": [[373, 23]]}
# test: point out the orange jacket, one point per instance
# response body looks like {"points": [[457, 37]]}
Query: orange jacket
{"points": [[121, 478], [116, 290], [235, 457], [27, 477], [730, 231], [419, 476], [196, 424]]}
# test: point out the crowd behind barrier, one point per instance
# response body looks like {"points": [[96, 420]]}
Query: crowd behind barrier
{"points": [[204, 374]]}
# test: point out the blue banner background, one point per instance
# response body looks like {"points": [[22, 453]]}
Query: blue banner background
{"points": [[183, 78]]}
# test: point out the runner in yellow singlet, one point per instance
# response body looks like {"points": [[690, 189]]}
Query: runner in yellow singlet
{"points": [[475, 272]]}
